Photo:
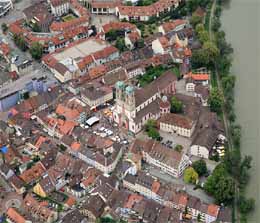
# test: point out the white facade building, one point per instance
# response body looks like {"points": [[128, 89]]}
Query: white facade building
{"points": [[59, 7], [5, 7]]}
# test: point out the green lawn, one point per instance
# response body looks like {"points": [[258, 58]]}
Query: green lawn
{"points": [[68, 17]]}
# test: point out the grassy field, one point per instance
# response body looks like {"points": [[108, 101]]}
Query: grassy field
{"points": [[68, 17]]}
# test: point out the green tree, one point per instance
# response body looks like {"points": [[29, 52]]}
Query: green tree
{"points": [[215, 100], [245, 166], [36, 27], [154, 134], [140, 43], [129, 3], [224, 47], [216, 24], [236, 134], [211, 51], [220, 185], [36, 50], [190, 176], [228, 84], [203, 36], [4, 27], [246, 205], [111, 35], [206, 56], [120, 44], [176, 105], [20, 42], [195, 20], [150, 128], [200, 167], [199, 28], [178, 148], [232, 161], [151, 123]]}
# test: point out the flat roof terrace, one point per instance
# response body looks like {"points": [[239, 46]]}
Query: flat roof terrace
{"points": [[81, 50]]}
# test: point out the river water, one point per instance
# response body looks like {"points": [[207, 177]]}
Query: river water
{"points": [[241, 22]]}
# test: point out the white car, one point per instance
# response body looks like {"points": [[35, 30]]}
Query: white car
{"points": [[109, 133], [125, 142], [101, 129]]}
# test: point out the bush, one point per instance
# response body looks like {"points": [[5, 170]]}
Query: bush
{"points": [[215, 100], [200, 167], [246, 205], [4, 27], [178, 148], [176, 105], [36, 50], [190, 176]]}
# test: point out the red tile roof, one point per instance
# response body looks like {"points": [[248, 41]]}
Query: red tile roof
{"points": [[106, 52], [4, 48], [65, 26], [134, 36], [118, 26], [213, 210], [97, 71], [33, 173], [15, 216], [75, 146], [170, 26], [85, 62], [71, 201], [150, 10], [199, 77], [155, 186], [132, 199], [183, 200]]}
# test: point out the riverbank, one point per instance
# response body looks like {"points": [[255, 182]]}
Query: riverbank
{"points": [[241, 23]]}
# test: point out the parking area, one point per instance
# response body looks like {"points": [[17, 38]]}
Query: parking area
{"points": [[105, 127], [181, 88], [172, 140]]}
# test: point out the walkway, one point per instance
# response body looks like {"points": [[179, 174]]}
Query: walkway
{"points": [[225, 120]]}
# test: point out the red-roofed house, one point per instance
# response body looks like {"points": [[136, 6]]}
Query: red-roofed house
{"points": [[15, 217], [131, 39], [4, 50], [144, 13], [212, 213], [34, 173], [175, 25], [161, 45]]}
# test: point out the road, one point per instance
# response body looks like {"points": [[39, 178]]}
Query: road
{"points": [[225, 120], [17, 12], [163, 177], [5, 185]]}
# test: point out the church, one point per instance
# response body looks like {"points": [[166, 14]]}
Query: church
{"points": [[134, 106]]}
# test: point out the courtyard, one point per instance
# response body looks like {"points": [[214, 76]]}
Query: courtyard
{"points": [[68, 17]]}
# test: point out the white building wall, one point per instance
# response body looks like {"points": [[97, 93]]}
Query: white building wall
{"points": [[157, 47], [200, 151]]}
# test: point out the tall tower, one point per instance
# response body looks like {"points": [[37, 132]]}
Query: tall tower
{"points": [[120, 91], [130, 98]]}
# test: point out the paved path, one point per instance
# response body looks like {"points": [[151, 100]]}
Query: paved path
{"points": [[225, 120]]}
